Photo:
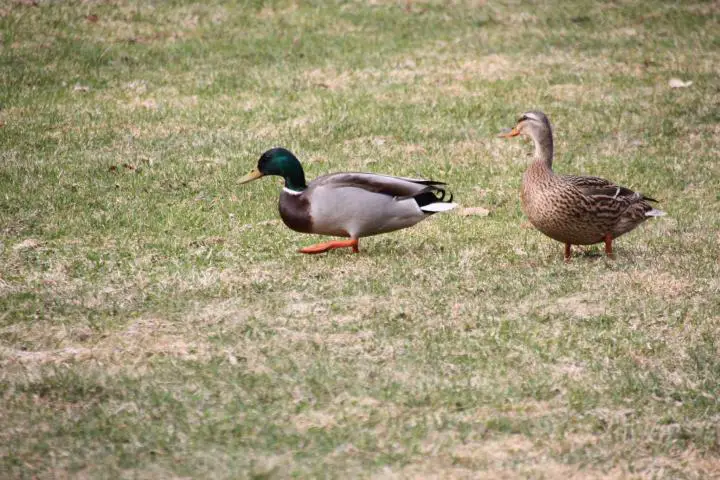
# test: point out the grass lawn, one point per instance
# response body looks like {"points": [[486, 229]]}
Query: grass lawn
{"points": [[156, 322]]}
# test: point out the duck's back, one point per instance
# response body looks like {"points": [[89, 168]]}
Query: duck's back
{"points": [[363, 204]]}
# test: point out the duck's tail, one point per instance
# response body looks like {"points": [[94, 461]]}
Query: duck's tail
{"points": [[438, 207], [655, 213], [433, 200]]}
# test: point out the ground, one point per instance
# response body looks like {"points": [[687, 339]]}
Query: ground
{"points": [[157, 322]]}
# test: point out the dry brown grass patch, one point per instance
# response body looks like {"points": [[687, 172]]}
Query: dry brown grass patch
{"points": [[508, 457], [652, 284], [579, 305], [269, 12], [125, 349]]}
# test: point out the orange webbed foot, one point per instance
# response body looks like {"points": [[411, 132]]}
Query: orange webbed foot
{"points": [[608, 246], [327, 246]]}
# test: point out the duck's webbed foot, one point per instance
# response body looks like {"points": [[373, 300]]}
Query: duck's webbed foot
{"points": [[326, 246], [608, 245]]}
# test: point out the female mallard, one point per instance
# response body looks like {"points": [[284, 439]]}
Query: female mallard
{"points": [[351, 205], [572, 209]]}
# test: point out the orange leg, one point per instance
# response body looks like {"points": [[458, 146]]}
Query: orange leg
{"points": [[608, 245], [324, 247], [567, 253]]}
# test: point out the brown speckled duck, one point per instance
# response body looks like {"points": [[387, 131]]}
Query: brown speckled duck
{"points": [[575, 210], [351, 205]]}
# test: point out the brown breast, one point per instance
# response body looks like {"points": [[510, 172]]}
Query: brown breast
{"points": [[295, 212], [556, 211]]}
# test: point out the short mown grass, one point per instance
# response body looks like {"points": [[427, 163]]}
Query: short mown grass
{"points": [[156, 322]]}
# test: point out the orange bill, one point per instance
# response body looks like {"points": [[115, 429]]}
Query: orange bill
{"points": [[509, 133]]}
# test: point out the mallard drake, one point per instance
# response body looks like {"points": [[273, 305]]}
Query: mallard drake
{"points": [[575, 210], [350, 205]]}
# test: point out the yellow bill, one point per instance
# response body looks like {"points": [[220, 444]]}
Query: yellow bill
{"points": [[254, 175]]}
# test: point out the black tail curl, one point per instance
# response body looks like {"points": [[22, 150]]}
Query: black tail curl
{"points": [[432, 194]]}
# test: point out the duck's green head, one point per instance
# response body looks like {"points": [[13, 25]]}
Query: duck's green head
{"points": [[281, 162]]}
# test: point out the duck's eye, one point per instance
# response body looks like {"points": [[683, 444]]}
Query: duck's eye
{"points": [[523, 118]]}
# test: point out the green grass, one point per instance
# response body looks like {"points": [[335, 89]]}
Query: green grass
{"points": [[156, 322]]}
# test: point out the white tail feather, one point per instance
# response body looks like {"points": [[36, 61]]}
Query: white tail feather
{"points": [[438, 207], [655, 213]]}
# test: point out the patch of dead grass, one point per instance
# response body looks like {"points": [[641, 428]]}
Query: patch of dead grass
{"points": [[514, 456], [346, 410], [648, 284], [570, 369], [313, 420], [270, 12], [122, 25], [580, 306], [27, 244], [126, 348], [652, 283], [431, 71], [493, 451]]}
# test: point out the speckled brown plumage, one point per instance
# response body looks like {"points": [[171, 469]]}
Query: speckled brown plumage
{"points": [[575, 210]]}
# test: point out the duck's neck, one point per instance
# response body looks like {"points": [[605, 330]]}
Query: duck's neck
{"points": [[543, 150], [294, 177]]}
